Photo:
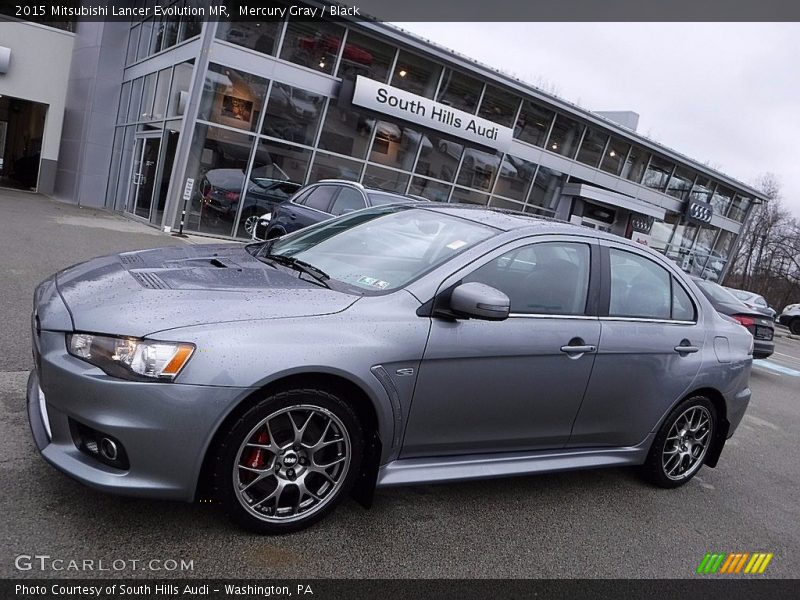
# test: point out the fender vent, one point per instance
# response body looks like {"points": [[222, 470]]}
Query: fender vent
{"points": [[149, 280]]}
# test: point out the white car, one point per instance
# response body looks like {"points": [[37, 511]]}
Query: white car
{"points": [[791, 318]]}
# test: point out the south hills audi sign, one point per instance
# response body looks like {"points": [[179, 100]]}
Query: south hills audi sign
{"points": [[404, 105]]}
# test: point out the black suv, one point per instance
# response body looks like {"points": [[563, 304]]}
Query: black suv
{"points": [[319, 202]]}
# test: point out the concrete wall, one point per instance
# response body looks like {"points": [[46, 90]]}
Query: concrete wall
{"points": [[91, 109], [47, 53]]}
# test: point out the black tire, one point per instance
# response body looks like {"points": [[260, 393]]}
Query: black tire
{"points": [[655, 470], [794, 326], [231, 441]]}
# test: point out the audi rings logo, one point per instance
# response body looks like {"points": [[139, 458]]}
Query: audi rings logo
{"points": [[700, 212]]}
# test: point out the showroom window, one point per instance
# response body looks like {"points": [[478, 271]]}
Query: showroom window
{"points": [[145, 33], [661, 232], [614, 156], [346, 131], [479, 168], [179, 91], [658, 173], [459, 91], [701, 190], [515, 178], [533, 124], [565, 136], [385, 179], [136, 100], [592, 147], [162, 94], [432, 190], [395, 145], [680, 183], [124, 100], [312, 44], [293, 114], [148, 95], [261, 36], [546, 189], [469, 196], [233, 98], [739, 207], [365, 56], [217, 162], [277, 172], [499, 106], [639, 287], [721, 200], [439, 157], [505, 204], [550, 278], [133, 44], [328, 166], [635, 164], [415, 74]]}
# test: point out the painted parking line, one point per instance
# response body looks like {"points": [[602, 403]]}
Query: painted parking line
{"points": [[775, 367]]}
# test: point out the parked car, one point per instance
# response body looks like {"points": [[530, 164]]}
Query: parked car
{"points": [[398, 345], [791, 318], [754, 301], [221, 189], [319, 202], [756, 321]]}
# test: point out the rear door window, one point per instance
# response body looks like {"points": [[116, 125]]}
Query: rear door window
{"points": [[641, 288], [347, 201], [320, 197]]}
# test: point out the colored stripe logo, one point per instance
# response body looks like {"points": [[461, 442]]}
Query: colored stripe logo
{"points": [[734, 563]]}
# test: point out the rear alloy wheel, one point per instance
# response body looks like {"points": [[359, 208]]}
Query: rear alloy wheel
{"points": [[287, 462], [682, 443]]}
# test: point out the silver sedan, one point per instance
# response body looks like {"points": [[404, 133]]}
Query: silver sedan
{"points": [[392, 346]]}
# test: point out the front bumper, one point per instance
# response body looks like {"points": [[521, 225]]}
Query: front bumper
{"points": [[165, 428]]}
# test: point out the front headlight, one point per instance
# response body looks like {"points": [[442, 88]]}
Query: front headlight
{"points": [[130, 358]]}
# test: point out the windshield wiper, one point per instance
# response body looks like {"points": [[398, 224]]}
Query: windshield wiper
{"points": [[299, 265]]}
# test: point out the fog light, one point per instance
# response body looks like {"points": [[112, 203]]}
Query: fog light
{"points": [[99, 445]]}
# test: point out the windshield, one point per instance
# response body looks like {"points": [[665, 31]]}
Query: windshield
{"points": [[384, 248]]}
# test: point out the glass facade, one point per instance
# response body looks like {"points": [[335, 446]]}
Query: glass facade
{"points": [[253, 141]]}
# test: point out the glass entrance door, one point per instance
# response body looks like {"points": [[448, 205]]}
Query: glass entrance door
{"points": [[143, 176]]}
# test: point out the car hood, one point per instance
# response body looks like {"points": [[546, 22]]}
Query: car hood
{"points": [[139, 293]]}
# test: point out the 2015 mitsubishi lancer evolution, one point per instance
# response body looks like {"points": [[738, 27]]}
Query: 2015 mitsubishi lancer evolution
{"points": [[401, 344]]}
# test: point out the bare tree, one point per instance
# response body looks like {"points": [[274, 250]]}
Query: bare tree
{"points": [[768, 258]]}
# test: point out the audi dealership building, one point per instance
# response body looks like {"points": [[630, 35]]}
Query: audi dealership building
{"points": [[221, 120]]}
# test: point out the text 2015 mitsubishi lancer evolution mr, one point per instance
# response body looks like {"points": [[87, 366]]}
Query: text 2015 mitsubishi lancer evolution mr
{"points": [[401, 344]]}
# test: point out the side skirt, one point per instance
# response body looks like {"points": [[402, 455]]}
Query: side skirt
{"points": [[411, 471]]}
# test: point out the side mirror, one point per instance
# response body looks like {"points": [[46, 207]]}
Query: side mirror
{"points": [[480, 301]]}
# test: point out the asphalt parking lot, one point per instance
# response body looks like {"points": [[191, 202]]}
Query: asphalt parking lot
{"points": [[603, 523]]}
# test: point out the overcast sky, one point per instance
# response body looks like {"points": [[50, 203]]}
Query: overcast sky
{"points": [[723, 93]]}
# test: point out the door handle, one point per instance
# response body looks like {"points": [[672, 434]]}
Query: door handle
{"points": [[292, 216], [685, 347], [578, 349]]}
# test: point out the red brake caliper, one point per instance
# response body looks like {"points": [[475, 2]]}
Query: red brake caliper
{"points": [[255, 458]]}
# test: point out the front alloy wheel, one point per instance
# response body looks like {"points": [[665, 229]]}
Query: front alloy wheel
{"points": [[290, 460], [682, 443]]}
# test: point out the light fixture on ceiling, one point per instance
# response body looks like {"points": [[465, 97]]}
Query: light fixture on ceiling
{"points": [[402, 73], [554, 146], [612, 154], [322, 64]]}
